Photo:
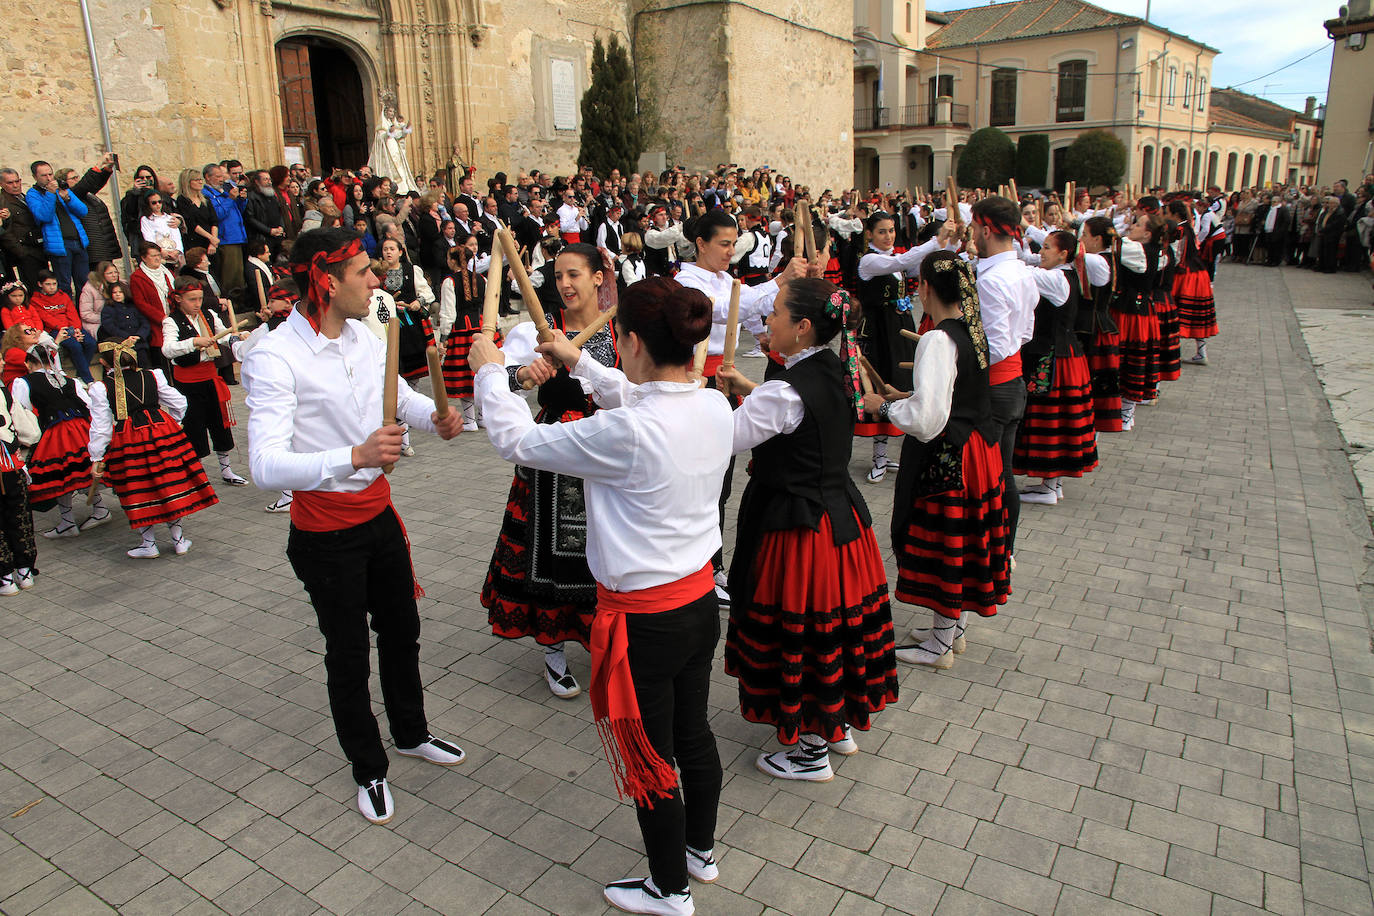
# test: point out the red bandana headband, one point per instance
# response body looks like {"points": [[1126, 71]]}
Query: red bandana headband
{"points": [[316, 284], [997, 227]]}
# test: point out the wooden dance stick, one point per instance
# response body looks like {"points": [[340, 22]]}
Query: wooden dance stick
{"points": [[909, 334], [586, 334], [436, 381], [952, 190], [871, 372], [906, 365], [262, 294], [522, 279], [234, 328], [491, 305], [97, 471], [865, 382], [731, 336], [393, 369], [699, 360], [1015, 194]]}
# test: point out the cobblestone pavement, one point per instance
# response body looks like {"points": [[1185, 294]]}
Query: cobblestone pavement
{"points": [[1175, 714]]}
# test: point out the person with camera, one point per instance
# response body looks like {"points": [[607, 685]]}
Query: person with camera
{"points": [[19, 238], [229, 203], [58, 214]]}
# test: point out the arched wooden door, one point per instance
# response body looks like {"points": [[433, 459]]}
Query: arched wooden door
{"points": [[324, 113]]}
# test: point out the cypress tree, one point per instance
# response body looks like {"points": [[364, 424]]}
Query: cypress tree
{"points": [[611, 134]]}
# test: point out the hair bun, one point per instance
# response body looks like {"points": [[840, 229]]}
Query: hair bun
{"points": [[688, 314]]}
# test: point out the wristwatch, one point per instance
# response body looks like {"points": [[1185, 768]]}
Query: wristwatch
{"points": [[882, 411]]}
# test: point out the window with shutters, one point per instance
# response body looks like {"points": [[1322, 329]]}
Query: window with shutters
{"points": [[1003, 113], [1173, 86], [1072, 102]]}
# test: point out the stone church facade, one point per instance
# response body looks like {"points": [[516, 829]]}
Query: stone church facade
{"points": [[495, 85]]}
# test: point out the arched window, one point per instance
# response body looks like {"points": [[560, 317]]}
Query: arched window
{"points": [[1003, 107], [1180, 170], [1166, 161], [1196, 176], [1231, 161], [908, 17], [1212, 162], [1072, 96], [1171, 89], [1147, 167], [1202, 93], [1187, 89], [1263, 171], [1247, 170]]}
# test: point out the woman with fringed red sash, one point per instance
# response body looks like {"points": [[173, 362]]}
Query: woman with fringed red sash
{"points": [[315, 389], [651, 463], [188, 343]]}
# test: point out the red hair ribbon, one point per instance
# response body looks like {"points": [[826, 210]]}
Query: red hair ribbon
{"points": [[316, 285]]}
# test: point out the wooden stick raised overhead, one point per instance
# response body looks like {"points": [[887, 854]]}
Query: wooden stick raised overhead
{"points": [[952, 209], [389, 380], [491, 305], [731, 335], [1015, 194], [436, 381], [601, 321], [522, 279]]}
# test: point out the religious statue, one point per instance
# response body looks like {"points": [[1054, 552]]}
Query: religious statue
{"points": [[389, 146]]}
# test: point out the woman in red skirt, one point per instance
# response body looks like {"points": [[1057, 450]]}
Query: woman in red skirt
{"points": [[539, 583], [1056, 438], [460, 318], [139, 448], [949, 527], [1136, 268], [1097, 332], [1162, 304], [810, 635], [61, 461], [1197, 309]]}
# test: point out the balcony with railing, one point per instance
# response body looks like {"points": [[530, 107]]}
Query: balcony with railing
{"points": [[910, 117]]}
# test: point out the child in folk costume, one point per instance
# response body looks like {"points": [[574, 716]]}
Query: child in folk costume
{"points": [[61, 461], [1136, 269], [1192, 289], [461, 297], [949, 527], [141, 452], [18, 547], [407, 286], [538, 583], [1056, 438], [810, 636], [653, 463], [1097, 332], [884, 293], [1162, 304], [188, 342]]}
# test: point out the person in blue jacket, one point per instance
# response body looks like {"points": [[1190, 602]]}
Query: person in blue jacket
{"points": [[229, 203], [58, 213]]}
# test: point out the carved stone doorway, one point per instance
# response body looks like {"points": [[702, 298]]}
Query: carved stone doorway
{"points": [[324, 113]]}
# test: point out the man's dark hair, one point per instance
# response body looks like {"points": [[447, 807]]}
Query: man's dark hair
{"points": [[232, 164], [33, 167], [1001, 212]]}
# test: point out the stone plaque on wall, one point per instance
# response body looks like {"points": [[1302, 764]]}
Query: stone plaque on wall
{"points": [[563, 79]]}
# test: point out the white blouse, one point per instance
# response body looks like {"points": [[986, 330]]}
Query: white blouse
{"points": [[774, 408], [926, 413]]}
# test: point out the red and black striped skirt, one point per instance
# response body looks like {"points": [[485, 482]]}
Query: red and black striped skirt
{"points": [[1102, 350], [1170, 360], [513, 608], [813, 647], [155, 472], [1057, 437], [61, 462], [1139, 345], [954, 555], [1197, 310], [457, 373]]}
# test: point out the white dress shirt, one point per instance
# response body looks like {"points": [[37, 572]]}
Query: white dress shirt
{"points": [[755, 302], [875, 263], [1007, 296], [1133, 257], [652, 464], [926, 413], [173, 346], [1098, 270], [774, 408], [311, 399], [1052, 284], [570, 221], [172, 402]]}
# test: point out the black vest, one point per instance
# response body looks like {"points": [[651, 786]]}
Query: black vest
{"points": [[463, 306], [1098, 317], [140, 396], [53, 405], [563, 393], [186, 331], [613, 232], [1133, 289], [1054, 326], [657, 261], [802, 475], [883, 342]]}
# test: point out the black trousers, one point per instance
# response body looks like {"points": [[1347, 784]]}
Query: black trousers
{"points": [[18, 547], [670, 662], [349, 574], [1008, 406], [203, 423]]}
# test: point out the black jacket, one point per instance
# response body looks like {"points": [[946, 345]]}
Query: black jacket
{"points": [[19, 235], [103, 241], [262, 214]]}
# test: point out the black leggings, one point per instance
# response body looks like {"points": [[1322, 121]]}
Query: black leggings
{"points": [[670, 662]]}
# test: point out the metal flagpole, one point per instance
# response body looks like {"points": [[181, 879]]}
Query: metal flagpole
{"points": [[116, 216]]}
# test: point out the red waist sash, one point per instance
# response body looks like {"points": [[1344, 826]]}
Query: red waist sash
{"points": [[330, 510], [639, 772], [205, 371], [1006, 370]]}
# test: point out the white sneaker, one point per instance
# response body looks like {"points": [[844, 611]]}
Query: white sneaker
{"points": [[564, 686], [878, 472], [96, 520], [68, 531], [1040, 495], [181, 545], [8, 586], [23, 578], [435, 750], [374, 801], [640, 896], [925, 658], [846, 745], [807, 762], [702, 866], [756, 353], [722, 596], [144, 553], [282, 504], [232, 479]]}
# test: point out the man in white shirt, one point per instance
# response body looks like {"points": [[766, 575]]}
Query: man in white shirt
{"points": [[572, 219], [1007, 296], [316, 427]]}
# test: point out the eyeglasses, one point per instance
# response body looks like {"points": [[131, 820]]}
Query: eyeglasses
{"points": [[154, 203]]}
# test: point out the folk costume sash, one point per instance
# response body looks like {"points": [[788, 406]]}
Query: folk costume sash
{"points": [[639, 772], [206, 372], [332, 510]]}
